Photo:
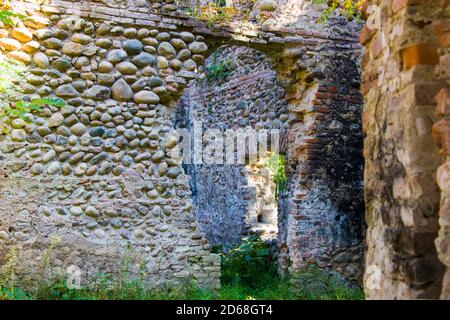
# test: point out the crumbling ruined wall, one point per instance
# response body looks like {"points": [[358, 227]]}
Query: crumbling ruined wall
{"points": [[402, 74], [320, 218], [235, 200], [323, 210], [98, 175]]}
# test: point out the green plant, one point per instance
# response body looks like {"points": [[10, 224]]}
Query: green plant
{"points": [[348, 8], [313, 283], [9, 18], [11, 72], [248, 273], [214, 13], [218, 70], [11, 105], [276, 164], [245, 264], [45, 263], [7, 271], [319, 285]]}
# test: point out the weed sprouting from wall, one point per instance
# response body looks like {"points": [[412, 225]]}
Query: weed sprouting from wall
{"points": [[248, 263], [218, 70], [350, 9], [46, 260], [14, 111], [9, 17], [214, 13], [276, 163]]}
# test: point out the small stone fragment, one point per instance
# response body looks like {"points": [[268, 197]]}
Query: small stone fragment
{"points": [[167, 50], [126, 68], [146, 97], [22, 34], [18, 135], [10, 44], [66, 91], [41, 60], [73, 49], [198, 47], [121, 91], [78, 129], [98, 92], [36, 169]]}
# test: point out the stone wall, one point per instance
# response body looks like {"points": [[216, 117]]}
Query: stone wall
{"points": [[97, 173], [402, 74], [441, 134], [235, 200], [320, 217], [321, 221]]}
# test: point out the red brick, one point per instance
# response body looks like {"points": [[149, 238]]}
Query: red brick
{"points": [[319, 117], [333, 89], [322, 109], [321, 95], [441, 134], [322, 89], [312, 140], [420, 54], [443, 102], [291, 96], [318, 102]]}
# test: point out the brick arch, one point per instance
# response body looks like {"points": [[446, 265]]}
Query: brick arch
{"points": [[318, 100]]}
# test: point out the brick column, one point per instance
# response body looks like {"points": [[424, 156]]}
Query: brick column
{"points": [[402, 196]]}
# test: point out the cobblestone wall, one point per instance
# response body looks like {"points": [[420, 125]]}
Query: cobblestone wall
{"points": [[236, 200], [95, 173]]}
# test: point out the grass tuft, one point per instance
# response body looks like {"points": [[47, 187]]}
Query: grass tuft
{"points": [[247, 274]]}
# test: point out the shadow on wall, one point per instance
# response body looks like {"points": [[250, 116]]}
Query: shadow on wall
{"points": [[239, 91], [319, 218]]}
